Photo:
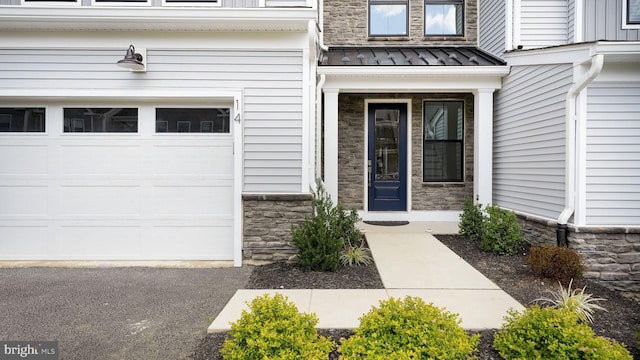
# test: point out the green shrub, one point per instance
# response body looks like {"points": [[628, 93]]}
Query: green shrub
{"points": [[409, 329], [471, 220], [274, 329], [321, 238], [550, 333], [500, 232], [557, 263]]}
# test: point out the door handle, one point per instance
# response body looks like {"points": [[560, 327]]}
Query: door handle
{"points": [[369, 173]]}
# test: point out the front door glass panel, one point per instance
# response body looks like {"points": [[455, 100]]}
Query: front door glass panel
{"points": [[387, 144]]}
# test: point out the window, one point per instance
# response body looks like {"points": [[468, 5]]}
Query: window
{"points": [[121, 2], [101, 120], [191, 2], [443, 150], [633, 12], [388, 17], [182, 120], [16, 119], [444, 17], [50, 2]]}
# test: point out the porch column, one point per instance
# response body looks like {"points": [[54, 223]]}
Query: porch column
{"points": [[483, 146], [331, 143]]}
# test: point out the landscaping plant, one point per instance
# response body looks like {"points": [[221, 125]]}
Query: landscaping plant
{"points": [[500, 231], [557, 263], [321, 238], [355, 255], [274, 329], [584, 305], [549, 333], [471, 219], [409, 329]]}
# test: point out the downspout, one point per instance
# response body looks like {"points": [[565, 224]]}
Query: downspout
{"points": [[318, 134], [597, 62]]}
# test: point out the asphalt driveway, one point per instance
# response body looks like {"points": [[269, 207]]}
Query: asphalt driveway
{"points": [[115, 313]]}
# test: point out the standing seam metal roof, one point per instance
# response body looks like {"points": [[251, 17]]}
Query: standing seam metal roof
{"points": [[409, 56]]}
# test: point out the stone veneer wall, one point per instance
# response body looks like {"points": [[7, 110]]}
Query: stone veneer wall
{"points": [[351, 140], [346, 23], [612, 254], [267, 225]]}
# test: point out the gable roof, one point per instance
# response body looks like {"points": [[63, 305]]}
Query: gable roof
{"points": [[409, 56]]}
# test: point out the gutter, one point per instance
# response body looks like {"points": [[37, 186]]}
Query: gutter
{"points": [[597, 61]]}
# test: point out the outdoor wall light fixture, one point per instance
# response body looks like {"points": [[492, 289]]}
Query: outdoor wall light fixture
{"points": [[134, 61]]}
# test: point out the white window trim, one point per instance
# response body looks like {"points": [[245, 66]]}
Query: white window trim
{"points": [[625, 25], [50, 3], [212, 3], [31, 133], [119, 3]]}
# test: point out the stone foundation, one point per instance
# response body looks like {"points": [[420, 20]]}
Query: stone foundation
{"points": [[612, 254], [267, 225]]}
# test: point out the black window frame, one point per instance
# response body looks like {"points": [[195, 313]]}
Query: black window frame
{"points": [[7, 122], [192, 124], [460, 141], [71, 124], [444, 2], [388, 2]]}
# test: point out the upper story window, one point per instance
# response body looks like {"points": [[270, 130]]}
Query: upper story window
{"points": [[19, 119], [101, 120], [444, 17], [388, 17]]}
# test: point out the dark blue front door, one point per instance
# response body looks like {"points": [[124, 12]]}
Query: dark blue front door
{"points": [[387, 157]]}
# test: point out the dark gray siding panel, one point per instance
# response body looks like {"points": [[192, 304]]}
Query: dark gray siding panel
{"points": [[529, 139], [603, 21]]}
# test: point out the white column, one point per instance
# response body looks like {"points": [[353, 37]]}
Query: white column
{"points": [[483, 146], [331, 143]]}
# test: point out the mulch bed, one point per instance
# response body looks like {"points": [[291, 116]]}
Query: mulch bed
{"points": [[511, 273]]}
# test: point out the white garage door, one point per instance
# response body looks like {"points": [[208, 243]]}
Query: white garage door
{"points": [[116, 183]]}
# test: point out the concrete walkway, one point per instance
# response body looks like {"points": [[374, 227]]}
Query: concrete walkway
{"points": [[411, 262]]}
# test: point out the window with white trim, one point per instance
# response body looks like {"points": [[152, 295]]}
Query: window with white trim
{"points": [[444, 17], [388, 17], [22, 119], [51, 2], [101, 120], [443, 144], [193, 120]]}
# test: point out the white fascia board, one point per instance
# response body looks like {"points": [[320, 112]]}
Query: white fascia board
{"points": [[565, 54], [195, 95], [155, 18], [410, 79], [572, 54]]}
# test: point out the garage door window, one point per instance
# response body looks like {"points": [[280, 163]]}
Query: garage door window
{"points": [[192, 120], [17, 119], [101, 120]]}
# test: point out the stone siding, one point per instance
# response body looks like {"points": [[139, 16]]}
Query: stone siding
{"points": [[267, 225], [346, 23], [351, 141], [612, 255]]}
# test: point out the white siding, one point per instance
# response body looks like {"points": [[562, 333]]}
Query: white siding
{"points": [[613, 154], [571, 21], [493, 26], [603, 21], [529, 139], [543, 23], [271, 80]]}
